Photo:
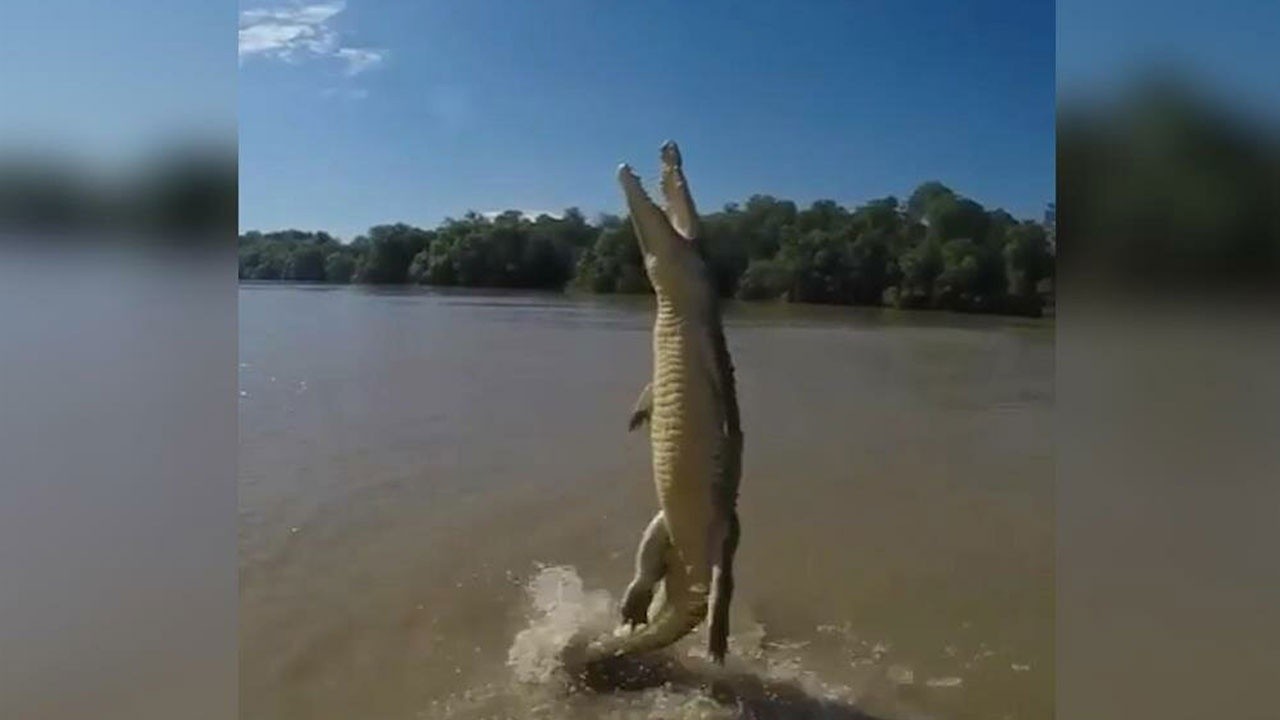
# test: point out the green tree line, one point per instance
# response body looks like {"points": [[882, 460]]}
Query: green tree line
{"points": [[937, 249]]}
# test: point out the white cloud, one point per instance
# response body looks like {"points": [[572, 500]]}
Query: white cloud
{"points": [[303, 14], [298, 32], [287, 42], [360, 59]]}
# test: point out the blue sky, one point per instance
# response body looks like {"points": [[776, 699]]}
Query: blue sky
{"points": [[370, 111]]}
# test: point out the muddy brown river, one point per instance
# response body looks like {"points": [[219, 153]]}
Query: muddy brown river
{"points": [[437, 489]]}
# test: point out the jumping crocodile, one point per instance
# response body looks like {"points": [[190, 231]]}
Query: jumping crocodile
{"points": [[696, 437]]}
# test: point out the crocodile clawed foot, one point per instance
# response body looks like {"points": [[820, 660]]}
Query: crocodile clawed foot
{"points": [[633, 620], [635, 608]]}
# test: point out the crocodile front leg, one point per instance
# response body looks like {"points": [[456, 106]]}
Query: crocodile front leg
{"points": [[643, 408]]}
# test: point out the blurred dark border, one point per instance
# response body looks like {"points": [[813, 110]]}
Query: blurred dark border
{"points": [[118, 436], [118, 212], [1168, 470]]}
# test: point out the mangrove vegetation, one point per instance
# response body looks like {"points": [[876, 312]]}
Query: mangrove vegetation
{"points": [[936, 249]]}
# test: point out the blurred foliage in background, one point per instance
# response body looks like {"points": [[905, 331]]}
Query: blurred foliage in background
{"points": [[1163, 187], [181, 193]]}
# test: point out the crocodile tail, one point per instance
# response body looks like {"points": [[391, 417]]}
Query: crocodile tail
{"points": [[677, 618], [684, 607]]}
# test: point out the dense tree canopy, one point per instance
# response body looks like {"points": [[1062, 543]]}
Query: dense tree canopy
{"points": [[936, 250]]}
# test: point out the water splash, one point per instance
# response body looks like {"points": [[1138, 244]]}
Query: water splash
{"points": [[760, 681], [563, 613]]}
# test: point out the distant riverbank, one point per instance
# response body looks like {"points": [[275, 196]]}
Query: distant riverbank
{"points": [[936, 250], [1046, 310]]}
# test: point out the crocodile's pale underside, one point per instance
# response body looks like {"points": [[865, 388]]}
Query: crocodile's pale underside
{"points": [[692, 411]]}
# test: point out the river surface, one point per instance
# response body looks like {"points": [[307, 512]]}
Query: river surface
{"points": [[436, 490]]}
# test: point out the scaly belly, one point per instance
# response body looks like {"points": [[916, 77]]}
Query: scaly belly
{"points": [[687, 442]]}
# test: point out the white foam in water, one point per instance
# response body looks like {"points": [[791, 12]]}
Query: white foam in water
{"points": [[564, 611]]}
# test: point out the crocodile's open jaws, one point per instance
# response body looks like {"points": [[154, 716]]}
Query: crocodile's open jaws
{"points": [[692, 411]]}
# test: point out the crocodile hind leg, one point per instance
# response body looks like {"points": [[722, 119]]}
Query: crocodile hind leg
{"points": [[684, 606], [650, 567], [722, 591]]}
